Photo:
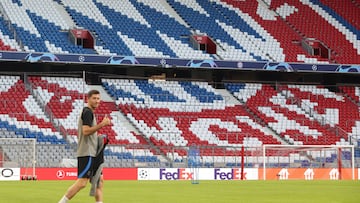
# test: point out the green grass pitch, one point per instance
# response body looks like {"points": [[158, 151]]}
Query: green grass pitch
{"points": [[290, 191]]}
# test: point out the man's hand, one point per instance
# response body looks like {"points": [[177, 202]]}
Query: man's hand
{"points": [[106, 121], [87, 130]]}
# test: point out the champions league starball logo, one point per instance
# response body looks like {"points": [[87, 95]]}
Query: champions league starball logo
{"points": [[143, 174], [81, 58], [314, 67]]}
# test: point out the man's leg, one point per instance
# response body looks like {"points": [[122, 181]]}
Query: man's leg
{"points": [[99, 191], [74, 189]]}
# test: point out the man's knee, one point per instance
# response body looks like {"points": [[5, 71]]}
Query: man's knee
{"points": [[81, 183]]}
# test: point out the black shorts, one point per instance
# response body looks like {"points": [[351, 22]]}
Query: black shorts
{"points": [[86, 166]]}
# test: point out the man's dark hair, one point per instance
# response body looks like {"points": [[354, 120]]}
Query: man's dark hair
{"points": [[92, 92]]}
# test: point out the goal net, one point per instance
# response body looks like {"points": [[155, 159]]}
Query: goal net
{"points": [[194, 163], [19, 153], [308, 162]]}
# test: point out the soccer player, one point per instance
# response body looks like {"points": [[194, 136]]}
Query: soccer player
{"points": [[87, 148]]}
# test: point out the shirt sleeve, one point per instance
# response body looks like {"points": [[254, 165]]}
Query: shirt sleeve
{"points": [[87, 117]]}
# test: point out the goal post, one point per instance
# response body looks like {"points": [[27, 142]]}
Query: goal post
{"points": [[309, 162], [19, 153]]}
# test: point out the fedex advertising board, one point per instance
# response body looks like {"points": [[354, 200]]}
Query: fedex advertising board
{"points": [[203, 174], [235, 174], [187, 174], [164, 174]]}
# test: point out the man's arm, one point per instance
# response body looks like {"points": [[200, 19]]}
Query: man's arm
{"points": [[88, 130]]}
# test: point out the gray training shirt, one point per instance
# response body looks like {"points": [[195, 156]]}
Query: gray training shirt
{"points": [[87, 145]]}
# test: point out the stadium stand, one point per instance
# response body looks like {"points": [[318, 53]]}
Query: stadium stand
{"points": [[170, 115], [308, 113], [352, 92], [63, 101], [22, 117], [173, 114], [7, 41], [243, 30]]}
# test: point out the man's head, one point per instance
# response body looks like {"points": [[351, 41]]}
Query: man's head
{"points": [[93, 99]]}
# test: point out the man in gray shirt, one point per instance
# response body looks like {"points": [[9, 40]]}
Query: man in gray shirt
{"points": [[87, 148]]}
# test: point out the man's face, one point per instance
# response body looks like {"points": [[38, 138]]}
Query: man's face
{"points": [[94, 101]]}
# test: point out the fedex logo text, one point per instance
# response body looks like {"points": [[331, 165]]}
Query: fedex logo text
{"points": [[234, 174], [180, 174]]}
